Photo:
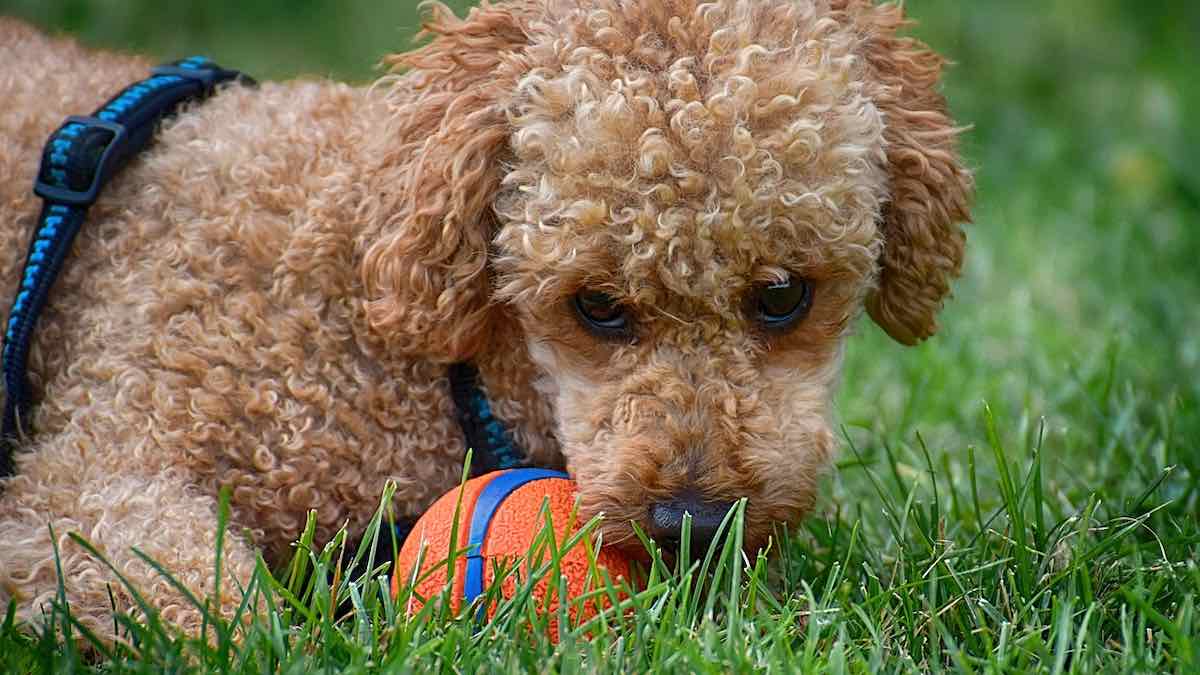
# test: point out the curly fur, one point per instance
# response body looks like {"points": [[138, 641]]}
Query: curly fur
{"points": [[266, 300]]}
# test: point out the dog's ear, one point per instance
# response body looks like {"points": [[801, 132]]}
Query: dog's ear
{"points": [[930, 188], [426, 272]]}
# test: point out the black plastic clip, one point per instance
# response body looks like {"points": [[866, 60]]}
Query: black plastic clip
{"points": [[105, 166]]}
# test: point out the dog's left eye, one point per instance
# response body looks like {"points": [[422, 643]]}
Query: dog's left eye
{"points": [[782, 304], [601, 313]]}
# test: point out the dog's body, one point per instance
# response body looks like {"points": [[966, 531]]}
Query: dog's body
{"points": [[267, 299]]}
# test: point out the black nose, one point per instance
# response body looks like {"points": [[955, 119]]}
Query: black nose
{"points": [[666, 521]]}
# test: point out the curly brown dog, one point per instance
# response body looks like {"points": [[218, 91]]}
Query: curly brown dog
{"points": [[649, 225]]}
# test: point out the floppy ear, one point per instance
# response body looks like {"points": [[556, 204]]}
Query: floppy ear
{"points": [[930, 188], [426, 273]]}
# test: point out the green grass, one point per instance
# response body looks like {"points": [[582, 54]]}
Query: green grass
{"points": [[1020, 494]]}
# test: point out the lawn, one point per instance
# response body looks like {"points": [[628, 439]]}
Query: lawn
{"points": [[1019, 494]]}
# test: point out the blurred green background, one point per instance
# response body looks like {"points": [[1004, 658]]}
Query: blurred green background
{"points": [[1082, 271]]}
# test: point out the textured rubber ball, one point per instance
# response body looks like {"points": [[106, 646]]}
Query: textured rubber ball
{"points": [[500, 516]]}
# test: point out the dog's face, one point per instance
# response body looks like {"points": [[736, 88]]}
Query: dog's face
{"points": [[686, 236], [688, 205]]}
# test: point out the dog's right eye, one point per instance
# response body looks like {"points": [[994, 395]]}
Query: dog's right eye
{"points": [[781, 305], [601, 313]]}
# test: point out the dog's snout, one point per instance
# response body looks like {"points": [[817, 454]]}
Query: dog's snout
{"points": [[666, 521]]}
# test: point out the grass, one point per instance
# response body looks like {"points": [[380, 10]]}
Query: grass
{"points": [[1019, 494]]}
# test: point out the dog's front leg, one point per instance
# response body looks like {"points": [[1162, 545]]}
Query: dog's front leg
{"points": [[159, 511]]}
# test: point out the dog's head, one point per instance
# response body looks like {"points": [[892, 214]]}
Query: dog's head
{"points": [[684, 205]]}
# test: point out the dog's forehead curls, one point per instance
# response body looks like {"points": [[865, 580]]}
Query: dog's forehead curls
{"points": [[681, 206], [698, 153]]}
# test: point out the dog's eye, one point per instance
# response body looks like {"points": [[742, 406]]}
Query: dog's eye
{"points": [[782, 304], [601, 313]]}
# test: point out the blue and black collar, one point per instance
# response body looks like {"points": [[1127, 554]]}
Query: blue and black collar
{"points": [[492, 445], [80, 158]]}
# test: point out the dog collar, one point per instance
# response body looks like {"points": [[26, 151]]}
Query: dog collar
{"points": [[77, 162], [492, 446]]}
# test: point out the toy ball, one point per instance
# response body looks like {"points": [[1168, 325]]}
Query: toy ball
{"points": [[501, 514]]}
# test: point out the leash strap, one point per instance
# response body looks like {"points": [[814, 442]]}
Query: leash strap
{"points": [[492, 444], [77, 162]]}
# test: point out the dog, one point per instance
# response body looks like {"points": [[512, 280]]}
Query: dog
{"points": [[648, 226]]}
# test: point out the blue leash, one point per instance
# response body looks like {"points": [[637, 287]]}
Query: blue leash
{"points": [[77, 162]]}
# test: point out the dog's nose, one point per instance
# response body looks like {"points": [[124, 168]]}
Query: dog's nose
{"points": [[666, 521]]}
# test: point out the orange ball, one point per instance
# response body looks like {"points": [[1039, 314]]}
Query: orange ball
{"points": [[500, 516]]}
